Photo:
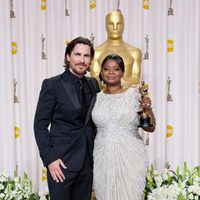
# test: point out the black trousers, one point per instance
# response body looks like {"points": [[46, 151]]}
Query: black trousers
{"points": [[76, 186]]}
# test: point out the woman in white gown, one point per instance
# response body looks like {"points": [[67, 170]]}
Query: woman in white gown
{"points": [[120, 161]]}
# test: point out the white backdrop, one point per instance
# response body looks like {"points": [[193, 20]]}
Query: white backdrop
{"points": [[33, 37]]}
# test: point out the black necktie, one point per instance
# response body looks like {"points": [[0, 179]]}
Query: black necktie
{"points": [[81, 91], [82, 96]]}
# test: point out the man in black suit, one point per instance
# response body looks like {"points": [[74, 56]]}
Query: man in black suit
{"points": [[65, 104]]}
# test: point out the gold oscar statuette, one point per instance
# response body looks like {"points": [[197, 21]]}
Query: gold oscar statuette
{"points": [[143, 115]]}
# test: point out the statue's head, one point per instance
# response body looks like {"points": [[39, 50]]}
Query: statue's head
{"points": [[115, 24]]}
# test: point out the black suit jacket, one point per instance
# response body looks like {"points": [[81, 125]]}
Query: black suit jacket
{"points": [[59, 131]]}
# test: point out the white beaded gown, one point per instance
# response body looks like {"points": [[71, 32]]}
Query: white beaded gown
{"points": [[120, 161]]}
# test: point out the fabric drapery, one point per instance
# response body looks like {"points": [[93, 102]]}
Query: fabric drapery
{"points": [[33, 38]]}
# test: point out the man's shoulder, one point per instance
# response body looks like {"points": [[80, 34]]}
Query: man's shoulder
{"points": [[49, 82], [53, 78]]}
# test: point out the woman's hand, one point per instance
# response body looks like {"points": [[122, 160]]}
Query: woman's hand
{"points": [[145, 103]]}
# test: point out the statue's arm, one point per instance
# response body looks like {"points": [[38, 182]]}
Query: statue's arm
{"points": [[136, 72], [95, 67]]}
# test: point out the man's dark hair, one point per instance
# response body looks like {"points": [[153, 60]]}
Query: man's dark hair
{"points": [[70, 46]]}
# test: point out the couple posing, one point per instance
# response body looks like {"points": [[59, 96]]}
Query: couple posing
{"points": [[86, 124]]}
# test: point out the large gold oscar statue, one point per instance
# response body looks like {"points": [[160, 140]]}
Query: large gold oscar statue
{"points": [[132, 56]]}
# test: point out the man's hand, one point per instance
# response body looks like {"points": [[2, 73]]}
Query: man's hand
{"points": [[55, 170]]}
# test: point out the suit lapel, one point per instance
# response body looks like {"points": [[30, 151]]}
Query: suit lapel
{"points": [[90, 109], [89, 81], [91, 85], [71, 92]]}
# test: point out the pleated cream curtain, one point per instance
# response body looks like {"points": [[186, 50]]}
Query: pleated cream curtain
{"points": [[33, 37]]}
